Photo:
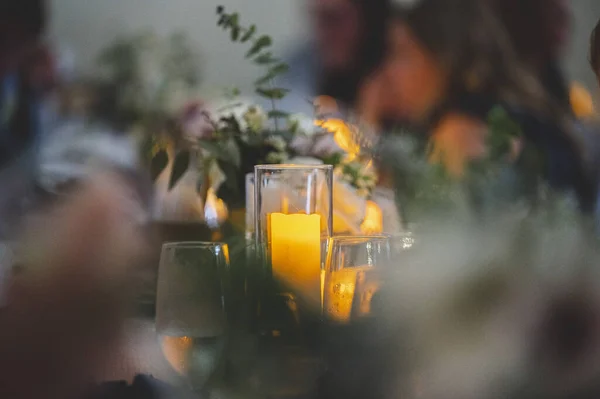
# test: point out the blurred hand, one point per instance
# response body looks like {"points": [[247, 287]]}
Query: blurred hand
{"points": [[64, 312]]}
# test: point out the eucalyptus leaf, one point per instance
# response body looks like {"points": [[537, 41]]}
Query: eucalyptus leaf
{"points": [[180, 166], [235, 33], [273, 94], [279, 69], [265, 58], [259, 44], [264, 80], [275, 113], [158, 164], [234, 20], [249, 34]]}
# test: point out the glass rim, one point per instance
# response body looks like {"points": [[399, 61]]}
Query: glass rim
{"points": [[193, 244], [361, 238], [293, 167]]}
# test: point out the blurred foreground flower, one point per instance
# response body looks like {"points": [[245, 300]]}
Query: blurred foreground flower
{"points": [[65, 309], [511, 311]]}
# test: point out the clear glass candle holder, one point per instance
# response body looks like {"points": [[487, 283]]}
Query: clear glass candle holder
{"points": [[293, 221]]}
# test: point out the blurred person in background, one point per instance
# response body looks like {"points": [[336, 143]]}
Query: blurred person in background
{"points": [[347, 45], [22, 25], [595, 51], [60, 316], [450, 63], [539, 32]]}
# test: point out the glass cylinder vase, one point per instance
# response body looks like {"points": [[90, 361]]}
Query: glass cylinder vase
{"points": [[293, 220]]}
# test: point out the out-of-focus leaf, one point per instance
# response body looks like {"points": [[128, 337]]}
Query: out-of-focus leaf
{"points": [[333, 159], [180, 166], [275, 113], [235, 33], [158, 163], [227, 151], [234, 20], [264, 79], [265, 58], [249, 34], [273, 94], [259, 44], [231, 174], [279, 69]]}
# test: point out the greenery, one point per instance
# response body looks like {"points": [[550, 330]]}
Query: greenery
{"points": [[139, 75], [243, 135], [425, 191], [238, 141]]}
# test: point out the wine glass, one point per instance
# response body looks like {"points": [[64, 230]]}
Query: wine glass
{"points": [[191, 317], [352, 277]]}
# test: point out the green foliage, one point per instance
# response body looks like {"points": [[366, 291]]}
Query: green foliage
{"points": [[503, 132], [259, 44], [158, 163], [426, 191], [272, 94], [180, 166], [261, 55], [275, 113]]}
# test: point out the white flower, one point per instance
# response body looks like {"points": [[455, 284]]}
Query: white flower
{"points": [[255, 118], [358, 174], [277, 142], [302, 124], [235, 108]]}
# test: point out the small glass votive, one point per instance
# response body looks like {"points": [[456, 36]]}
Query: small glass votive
{"points": [[352, 278], [250, 206]]}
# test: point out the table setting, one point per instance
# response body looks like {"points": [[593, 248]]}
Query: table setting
{"points": [[230, 249]]}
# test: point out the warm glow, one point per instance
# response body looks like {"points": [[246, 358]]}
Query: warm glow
{"points": [[373, 223], [296, 254], [215, 210], [342, 134], [349, 293], [581, 101], [176, 350], [340, 294]]}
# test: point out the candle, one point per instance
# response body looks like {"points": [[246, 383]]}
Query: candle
{"points": [[373, 222], [296, 254], [349, 292]]}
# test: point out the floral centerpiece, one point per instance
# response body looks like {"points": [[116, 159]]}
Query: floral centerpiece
{"points": [[198, 151], [233, 135]]}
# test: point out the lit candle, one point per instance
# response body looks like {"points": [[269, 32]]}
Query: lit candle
{"points": [[373, 222], [296, 254], [349, 293]]}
